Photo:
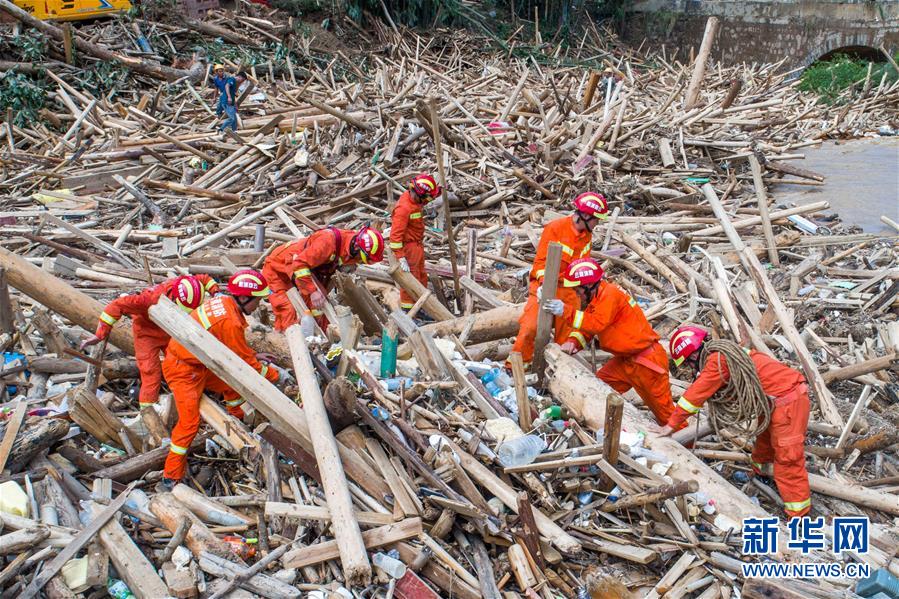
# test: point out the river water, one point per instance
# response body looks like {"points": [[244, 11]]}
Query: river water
{"points": [[861, 185]]}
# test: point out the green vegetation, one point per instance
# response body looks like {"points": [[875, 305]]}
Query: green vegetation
{"points": [[32, 46], [24, 95], [831, 78]]}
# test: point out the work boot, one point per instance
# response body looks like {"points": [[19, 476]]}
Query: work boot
{"points": [[166, 485]]}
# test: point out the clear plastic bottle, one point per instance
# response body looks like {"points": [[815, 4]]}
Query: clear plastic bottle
{"points": [[520, 451], [307, 325], [496, 381], [393, 567], [117, 589]]}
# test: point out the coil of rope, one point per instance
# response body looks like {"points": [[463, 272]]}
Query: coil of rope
{"points": [[740, 406]]}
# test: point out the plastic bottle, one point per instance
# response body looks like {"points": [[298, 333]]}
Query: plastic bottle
{"points": [[496, 380], [554, 413], [642, 452], [307, 324], [393, 384], [520, 451], [117, 589], [393, 567], [705, 503], [614, 494]]}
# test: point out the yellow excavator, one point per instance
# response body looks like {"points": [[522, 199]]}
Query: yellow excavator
{"points": [[73, 10]]}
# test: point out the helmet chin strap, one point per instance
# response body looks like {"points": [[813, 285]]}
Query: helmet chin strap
{"points": [[242, 301]]}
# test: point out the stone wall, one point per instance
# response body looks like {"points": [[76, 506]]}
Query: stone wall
{"points": [[799, 31]]}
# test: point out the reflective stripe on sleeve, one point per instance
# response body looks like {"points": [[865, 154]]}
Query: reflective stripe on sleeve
{"points": [[108, 319], [395, 245], [415, 215], [204, 319], [177, 449], [301, 272], [586, 250], [210, 284], [686, 405], [567, 250], [262, 371], [235, 402], [540, 273], [578, 319], [580, 339]]}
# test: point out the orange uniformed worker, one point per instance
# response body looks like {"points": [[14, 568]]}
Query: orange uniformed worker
{"points": [[407, 230], [310, 262], [224, 317], [612, 317], [575, 234], [149, 340], [783, 441]]}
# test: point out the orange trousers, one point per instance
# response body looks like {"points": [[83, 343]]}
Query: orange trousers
{"points": [[285, 315], [527, 322], [415, 256], [188, 383], [783, 443], [622, 373], [149, 342]]}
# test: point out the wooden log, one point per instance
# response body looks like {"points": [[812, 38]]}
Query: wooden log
{"points": [[137, 466], [262, 395], [763, 209], [59, 296], [322, 513], [209, 510], [699, 65], [11, 430], [260, 584], [861, 496], [221, 233], [545, 319], [23, 539], [416, 290], [612, 429], [353, 557], [343, 116], [652, 496], [374, 538], [757, 271], [858, 369], [199, 538], [193, 190], [34, 439], [585, 397]]}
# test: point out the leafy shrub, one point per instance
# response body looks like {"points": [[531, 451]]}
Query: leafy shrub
{"points": [[831, 78], [23, 95]]}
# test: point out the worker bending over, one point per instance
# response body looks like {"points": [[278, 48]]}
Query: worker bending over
{"points": [[407, 230], [149, 340], [224, 317], [575, 234], [782, 441], [310, 262], [609, 315]]}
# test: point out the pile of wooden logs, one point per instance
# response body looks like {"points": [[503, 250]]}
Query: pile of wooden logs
{"points": [[396, 490]]}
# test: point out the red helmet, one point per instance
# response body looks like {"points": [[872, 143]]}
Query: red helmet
{"points": [[370, 244], [187, 292], [585, 271], [686, 341], [425, 186], [248, 283], [592, 204]]}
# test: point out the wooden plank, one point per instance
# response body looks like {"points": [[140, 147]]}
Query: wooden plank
{"points": [[353, 557], [377, 537], [322, 513], [521, 391], [545, 319], [763, 209]]}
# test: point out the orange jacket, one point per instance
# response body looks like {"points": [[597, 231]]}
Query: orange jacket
{"points": [[614, 317], [320, 254], [778, 380], [407, 224], [222, 317], [574, 245], [136, 306]]}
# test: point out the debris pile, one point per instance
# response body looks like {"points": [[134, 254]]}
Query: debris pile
{"points": [[444, 475]]}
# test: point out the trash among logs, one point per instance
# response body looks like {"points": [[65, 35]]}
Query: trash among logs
{"points": [[399, 185]]}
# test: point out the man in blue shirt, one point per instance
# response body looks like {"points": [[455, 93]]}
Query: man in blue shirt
{"points": [[219, 79], [229, 103]]}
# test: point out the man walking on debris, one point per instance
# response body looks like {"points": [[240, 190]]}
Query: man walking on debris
{"points": [[232, 85], [575, 234], [150, 340], [224, 317], [219, 79], [407, 230], [782, 406], [310, 262], [608, 314]]}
